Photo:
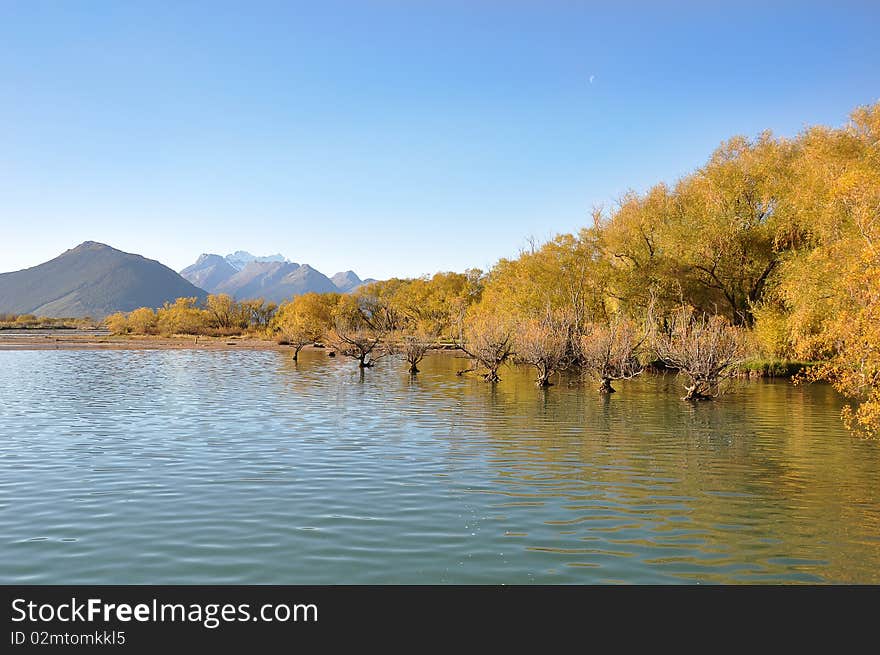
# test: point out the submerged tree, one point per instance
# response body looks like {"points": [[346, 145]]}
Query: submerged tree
{"points": [[611, 352], [358, 341], [488, 341], [544, 344], [358, 334], [705, 348], [412, 346], [304, 320]]}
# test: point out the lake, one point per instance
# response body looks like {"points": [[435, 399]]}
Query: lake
{"points": [[244, 467]]}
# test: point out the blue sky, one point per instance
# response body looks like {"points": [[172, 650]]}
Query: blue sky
{"points": [[392, 138]]}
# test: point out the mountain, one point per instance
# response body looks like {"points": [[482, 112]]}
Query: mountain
{"points": [[348, 281], [275, 281], [275, 278], [209, 271], [241, 258], [93, 280]]}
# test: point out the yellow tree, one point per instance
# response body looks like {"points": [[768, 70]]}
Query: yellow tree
{"points": [[183, 316], [142, 321], [117, 323], [729, 226], [304, 320], [835, 299]]}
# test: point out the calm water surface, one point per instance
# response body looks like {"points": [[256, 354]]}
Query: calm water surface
{"points": [[242, 467]]}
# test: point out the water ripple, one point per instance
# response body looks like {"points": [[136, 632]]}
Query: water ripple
{"points": [[244, 467]]}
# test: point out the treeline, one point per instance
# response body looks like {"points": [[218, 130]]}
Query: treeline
{"points": [[220, 316], [771, 249], [9, 321]]}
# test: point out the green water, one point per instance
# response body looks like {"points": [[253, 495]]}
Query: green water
{"points": [[242, 467]]}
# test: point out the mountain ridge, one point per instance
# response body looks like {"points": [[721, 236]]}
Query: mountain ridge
{"points": [[274, 277], [92, 279]]}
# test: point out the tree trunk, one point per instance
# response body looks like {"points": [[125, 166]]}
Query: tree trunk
{"points": [[606, 387], [413, 369], [694, 393], [492, 376]]}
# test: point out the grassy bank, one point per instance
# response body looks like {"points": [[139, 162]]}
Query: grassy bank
{"points": [[773, 368]]}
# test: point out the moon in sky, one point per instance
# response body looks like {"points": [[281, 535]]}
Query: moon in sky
{"points": [[592, 77]]}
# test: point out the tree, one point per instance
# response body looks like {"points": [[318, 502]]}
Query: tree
{"points": [[488, 340], [611, 352], [355, 334], [225, 313], [412, 346], [117, 324], [304, 320], [183, 316], [705, 348], [142, 321], [259, 313], [544, 343]]}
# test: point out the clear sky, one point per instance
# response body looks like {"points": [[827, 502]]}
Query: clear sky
{"points": [[392, 138]]}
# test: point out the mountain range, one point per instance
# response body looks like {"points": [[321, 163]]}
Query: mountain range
{"points": [[96, 280], [275, 278]]}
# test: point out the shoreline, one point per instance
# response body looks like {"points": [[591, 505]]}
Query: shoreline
{"points": [[100, 340], [95, 340], [108, 342]]}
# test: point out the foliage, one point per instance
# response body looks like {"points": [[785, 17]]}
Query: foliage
{"points": [[304, 320]]}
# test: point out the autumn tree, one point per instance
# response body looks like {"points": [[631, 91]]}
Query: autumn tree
{"points": [[258, 312], [488, 340], [358, 334], [183, 316], [610, 351], [142, 321], [833, 293], [412, 345], [117, 323], [226, 313], [543, 342], [304, 320], [704, 348]]}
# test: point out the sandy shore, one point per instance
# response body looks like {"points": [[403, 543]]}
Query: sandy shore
{"points": [[103, 340], [96, 340]]}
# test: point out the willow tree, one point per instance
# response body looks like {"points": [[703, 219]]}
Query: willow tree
{"points": [[412, 345], [544, 343], [706, 349], [304, 320], [730, 225], [358, 333], [225, 312], [488, 340], [833, 291], [610, 351], [565, 274]]}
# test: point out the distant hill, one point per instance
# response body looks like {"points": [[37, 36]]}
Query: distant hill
{"points": [[348, 281], [209, 271], [243, 275], [93, 280]]}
